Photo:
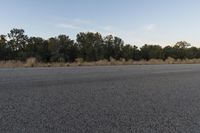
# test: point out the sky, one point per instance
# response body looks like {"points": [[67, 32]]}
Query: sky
{"points": [[137, 22]]}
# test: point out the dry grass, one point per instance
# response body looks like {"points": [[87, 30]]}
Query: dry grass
{"points": [[32, 62], [170, 60], [79, 61], [102, 63], [11, 64]]}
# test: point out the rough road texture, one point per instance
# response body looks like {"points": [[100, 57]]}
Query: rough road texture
{"points": [[117, 99]]}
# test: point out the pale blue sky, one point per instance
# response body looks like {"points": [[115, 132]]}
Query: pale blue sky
{"points": [[136, 21]]}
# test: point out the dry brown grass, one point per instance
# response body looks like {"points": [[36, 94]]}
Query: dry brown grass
{"points": [[79, 61], [102, 63], [11, 64], [32, 62], [155, 61], [170, 60]]}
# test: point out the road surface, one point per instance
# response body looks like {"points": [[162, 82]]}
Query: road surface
{"points": [[112, 99]]}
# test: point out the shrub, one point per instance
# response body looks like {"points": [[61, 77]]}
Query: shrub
{"points": [[31, 62], [79, 61], [155, 61], [102, 62], [170, 60], [112, 61]]}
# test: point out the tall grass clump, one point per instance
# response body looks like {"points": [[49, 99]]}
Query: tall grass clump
{"points": [[31, 62], [170, 60], [79, 61]]}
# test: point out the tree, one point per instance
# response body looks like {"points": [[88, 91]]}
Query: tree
{"points": [[53, 48], [136, 53], [17, 43], [182, 44], [3, 42], [3, 39], [62, 48], [108, 47], [168, 51], [127, 52], [67, 48], [151, 52], [113, 47], [38, 48], [131, 52], [118, 47], [180, 50], [192, 53], [90, 46]]}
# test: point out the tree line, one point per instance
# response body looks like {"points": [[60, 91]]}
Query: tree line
{"points": [[88, 46]]}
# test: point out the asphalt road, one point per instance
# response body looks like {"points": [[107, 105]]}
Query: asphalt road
{"points": [[114, 99]]}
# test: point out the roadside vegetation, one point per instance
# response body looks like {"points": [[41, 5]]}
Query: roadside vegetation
{"points": [[19, 50]]}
